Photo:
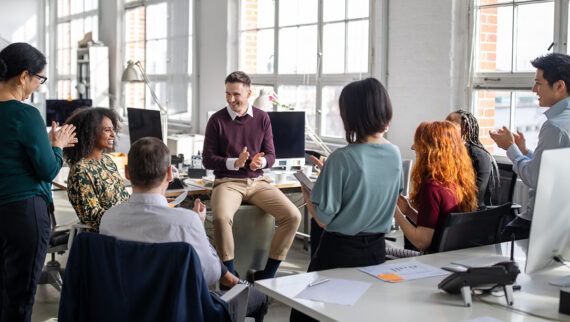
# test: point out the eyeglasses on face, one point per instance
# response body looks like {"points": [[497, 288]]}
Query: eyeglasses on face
{"points": [[42, 78]]}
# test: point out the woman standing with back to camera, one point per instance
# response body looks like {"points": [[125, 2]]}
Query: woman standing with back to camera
{"points": [[29, 160]]}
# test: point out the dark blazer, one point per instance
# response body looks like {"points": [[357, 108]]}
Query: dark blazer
{"points": [[111, 280]]}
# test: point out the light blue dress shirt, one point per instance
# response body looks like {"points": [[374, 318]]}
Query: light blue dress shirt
{"points": [[554, 134], [358, 188], [147, 218]]}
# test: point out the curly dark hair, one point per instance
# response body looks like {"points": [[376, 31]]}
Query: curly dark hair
{"points": [[87, 122]]}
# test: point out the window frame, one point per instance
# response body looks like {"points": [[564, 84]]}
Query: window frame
{"points": [[178, 19], [53, 25], [317, 79], [512, 81]]}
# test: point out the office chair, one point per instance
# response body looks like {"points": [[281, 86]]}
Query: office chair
{"points": [[59, 237], [508, 180], [112, 280], [471, 229]]}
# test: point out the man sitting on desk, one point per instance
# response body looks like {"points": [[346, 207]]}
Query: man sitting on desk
{"points": [[232, 134], [146, 217], [552, 85]]}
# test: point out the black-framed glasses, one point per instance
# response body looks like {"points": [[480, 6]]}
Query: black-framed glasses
{"points": [[42, 78]]}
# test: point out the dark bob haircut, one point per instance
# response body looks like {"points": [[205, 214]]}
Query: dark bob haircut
{"points": [[149, 159], [365, 109], [18, 58], [87, 122], [238, 77], [554, 67]]}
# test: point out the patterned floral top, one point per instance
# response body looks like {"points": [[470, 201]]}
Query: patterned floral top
{"points": [[93, 187]]}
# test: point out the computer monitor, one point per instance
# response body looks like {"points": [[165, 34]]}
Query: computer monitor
{"points": [[288, 138], [550, 227], [144, 123], [60, 110]]}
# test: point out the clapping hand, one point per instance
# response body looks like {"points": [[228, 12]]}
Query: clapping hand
{"points": [[257, 161], [243, 156], [64, 137], [200, 209], [520, 141], [503, 138]]}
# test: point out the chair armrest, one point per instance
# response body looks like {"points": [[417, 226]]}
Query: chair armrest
{"points": [[75, 229], [237, 297]]}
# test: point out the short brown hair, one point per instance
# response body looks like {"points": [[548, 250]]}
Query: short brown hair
{"points": [[238, 77], [149, 159]]}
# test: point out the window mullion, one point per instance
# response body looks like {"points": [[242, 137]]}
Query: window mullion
{"points": [[514, 39], [512, 112]]}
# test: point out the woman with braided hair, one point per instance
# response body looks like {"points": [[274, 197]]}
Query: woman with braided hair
{"points": [[485, 166]]}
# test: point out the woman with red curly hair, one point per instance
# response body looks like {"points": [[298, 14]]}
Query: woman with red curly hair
{"points": [[443, 181]]}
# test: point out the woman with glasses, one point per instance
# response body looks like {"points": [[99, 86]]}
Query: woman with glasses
{"points": [[94, 183], [29, 161]]}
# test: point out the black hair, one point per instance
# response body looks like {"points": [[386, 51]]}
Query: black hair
{"points": [[470, 134], [555, 67], [20, 57], [87, 123], [365, 109], [238, 77], [149, 159]]}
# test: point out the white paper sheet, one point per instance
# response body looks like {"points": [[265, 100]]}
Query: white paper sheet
{"points": [[403, 271], [335, 290]]}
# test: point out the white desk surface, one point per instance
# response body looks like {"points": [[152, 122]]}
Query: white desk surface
{"points": [[421, 300]]}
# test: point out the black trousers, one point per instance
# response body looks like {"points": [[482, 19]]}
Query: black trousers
{"points": [[336, 250], [24, 237]]}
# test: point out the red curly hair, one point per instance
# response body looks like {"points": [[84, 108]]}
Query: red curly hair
{"points": [[442, 157]]}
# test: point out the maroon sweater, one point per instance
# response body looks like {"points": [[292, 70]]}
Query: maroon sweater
{"points": [[435, 203], [225, 138]]}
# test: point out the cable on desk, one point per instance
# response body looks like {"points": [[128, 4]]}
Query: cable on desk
{"points": [[561, 260], [510, 308]]}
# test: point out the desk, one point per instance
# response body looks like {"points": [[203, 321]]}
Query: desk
{"points": [[421, 300]]}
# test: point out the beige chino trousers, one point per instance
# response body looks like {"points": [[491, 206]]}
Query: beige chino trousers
{"points": [[227, 196]]}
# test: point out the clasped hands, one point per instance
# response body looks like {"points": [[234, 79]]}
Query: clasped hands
{"points": [[505, 138], [256, 162]]}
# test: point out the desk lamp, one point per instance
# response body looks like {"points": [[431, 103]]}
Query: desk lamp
{"points": [[135, 73]]}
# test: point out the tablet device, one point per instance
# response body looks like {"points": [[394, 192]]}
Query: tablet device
{"points": [[304, 180]]}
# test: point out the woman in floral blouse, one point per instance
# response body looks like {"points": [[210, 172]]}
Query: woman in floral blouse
{"points": [[94, 183]]}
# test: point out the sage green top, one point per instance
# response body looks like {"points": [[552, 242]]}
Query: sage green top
{"points": [[28, 162]]}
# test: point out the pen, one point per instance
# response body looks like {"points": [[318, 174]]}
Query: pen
{"points": [[317, 282]]}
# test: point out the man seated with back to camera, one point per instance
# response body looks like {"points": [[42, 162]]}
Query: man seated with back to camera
{"points": [[147, 217], [233, 134]]}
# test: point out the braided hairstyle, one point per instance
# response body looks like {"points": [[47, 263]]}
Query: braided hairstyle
{"points": [[87, 122], [470, 134]]}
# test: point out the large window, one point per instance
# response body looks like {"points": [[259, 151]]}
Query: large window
{"points": [[159, 35], [306, 51], [75, 18], [508, 35]]}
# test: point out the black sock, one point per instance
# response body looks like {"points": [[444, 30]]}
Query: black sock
{"points": [[270, 269], [230, 265]]}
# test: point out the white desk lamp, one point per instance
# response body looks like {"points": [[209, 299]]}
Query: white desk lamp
{"points": [[135, 73]]}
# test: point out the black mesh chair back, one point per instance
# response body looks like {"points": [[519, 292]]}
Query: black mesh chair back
{"points": [[471, 229]]}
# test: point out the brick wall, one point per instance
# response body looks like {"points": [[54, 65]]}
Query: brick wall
{"points": [[487, 61], [250, 43]]}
